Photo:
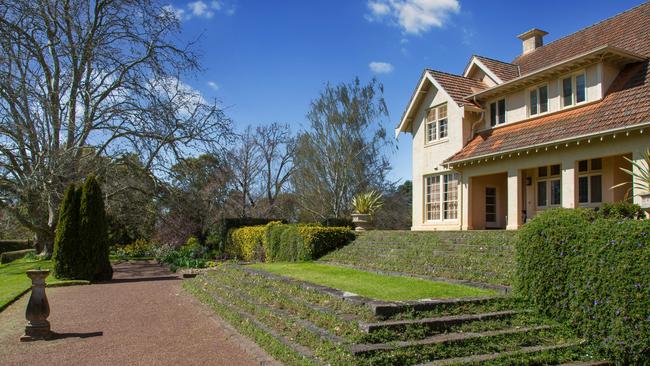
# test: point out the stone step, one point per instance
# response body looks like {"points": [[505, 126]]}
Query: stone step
{"points": [[358, 349], [494, 356], [439, 324], [385, 309]]}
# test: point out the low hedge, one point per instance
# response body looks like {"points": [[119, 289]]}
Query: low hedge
{"points": [[593, 272], [7, 257], [282, 242], [247, 243], [13, 245], [220, 234]]}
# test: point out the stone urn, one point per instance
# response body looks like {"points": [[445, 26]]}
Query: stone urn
{"points": [[362, 222], [645, 201], [38, 309]]}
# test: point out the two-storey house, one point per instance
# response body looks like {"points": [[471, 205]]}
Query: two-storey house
{"points": [[505, 140]]}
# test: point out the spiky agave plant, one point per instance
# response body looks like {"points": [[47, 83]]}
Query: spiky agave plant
{"points": [[640, 178], [367, 203]]}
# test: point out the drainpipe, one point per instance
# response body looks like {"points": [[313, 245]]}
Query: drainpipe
{"points": [[480, 120]]}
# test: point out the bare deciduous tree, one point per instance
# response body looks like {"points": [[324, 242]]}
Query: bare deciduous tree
{"points": [[277, 148], [245, 165], [82, 79]]}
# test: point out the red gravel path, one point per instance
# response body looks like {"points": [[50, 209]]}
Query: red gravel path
{"points": [[143, 317]]}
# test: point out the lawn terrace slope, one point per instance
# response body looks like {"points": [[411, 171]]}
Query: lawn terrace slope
{"points": [[477, 256]]}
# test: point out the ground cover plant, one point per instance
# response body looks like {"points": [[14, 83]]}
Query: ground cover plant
{"points": [[299, 325], [14, 282], [592, 272], [372, 285], [483, 256]]}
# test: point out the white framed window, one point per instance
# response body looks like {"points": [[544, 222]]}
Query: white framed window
{"points": [[549, 186], [590, 182], [538, 100], [498, 112], [441, 197], [574, 89], [436, 123]]}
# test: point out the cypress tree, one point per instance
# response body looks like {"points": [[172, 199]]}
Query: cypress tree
{"points": [[93, 231], [66, 242]]}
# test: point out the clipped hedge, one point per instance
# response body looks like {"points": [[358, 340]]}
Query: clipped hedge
{"points": [[220, 234], [7, 257], [303, 243], [282, 242], [14, 245], [593, 272], [247, 243]]}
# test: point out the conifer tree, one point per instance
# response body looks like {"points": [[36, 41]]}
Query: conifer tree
{"points": [[66, 244], [93, 231]]}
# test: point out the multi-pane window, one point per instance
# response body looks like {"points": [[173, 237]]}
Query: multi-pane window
{"points": [[436, 123], [441, 201], [549, 186], [498, 112], [574, 90], [539, 100], [590, 181]]}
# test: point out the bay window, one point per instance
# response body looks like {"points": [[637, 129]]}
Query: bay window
{"points": [[441, 197]]}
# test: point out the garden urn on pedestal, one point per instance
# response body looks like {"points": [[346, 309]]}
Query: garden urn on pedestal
{"points": [[364, 206], [362, 222], [38, 309]]}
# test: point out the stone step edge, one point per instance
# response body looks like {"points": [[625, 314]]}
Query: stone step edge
{"points": [[439, 323], [298, 348], [441, 339], [588, 363], [494, 356], [499, 288], [323, 333]]}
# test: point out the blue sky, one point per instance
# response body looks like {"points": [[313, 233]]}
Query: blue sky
{"points": [[266, 60]]}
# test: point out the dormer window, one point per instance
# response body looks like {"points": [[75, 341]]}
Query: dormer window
{"points": [[436, 123], [574, 90], [539, 100], [498, 112]]}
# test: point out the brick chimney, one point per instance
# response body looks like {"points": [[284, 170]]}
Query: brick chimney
{"points": [[532, 39]]}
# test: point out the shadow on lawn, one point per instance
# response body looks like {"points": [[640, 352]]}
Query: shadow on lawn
{"points": [[56, 335]]}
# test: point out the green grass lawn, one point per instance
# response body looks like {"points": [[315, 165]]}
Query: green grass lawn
{"points": [[373, 285], [14, 281]]}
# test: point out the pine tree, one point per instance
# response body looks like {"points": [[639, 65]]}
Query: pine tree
{"points": [[66, 243], [93, 232]]}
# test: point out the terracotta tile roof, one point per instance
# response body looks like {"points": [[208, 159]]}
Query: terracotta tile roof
{"points": [[458, 87], [629, 30], [626, 104], [505, 71]]}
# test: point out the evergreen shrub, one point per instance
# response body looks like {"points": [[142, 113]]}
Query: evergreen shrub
{"points": [[593, 272]]}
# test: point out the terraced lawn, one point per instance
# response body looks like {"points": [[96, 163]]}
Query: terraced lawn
{"points": [[372, 285], [300, 325], [14, 282]]}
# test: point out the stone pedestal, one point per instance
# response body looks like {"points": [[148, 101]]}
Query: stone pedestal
{"points": [[38, 309]]}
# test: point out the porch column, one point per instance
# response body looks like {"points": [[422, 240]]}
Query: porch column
{"points": [[638, 159], [514, 199], [464, 199], [568, 183]]}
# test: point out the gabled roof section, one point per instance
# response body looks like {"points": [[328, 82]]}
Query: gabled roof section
{"points": [[624, 107], [628, 31], [503, 71], [455, 86]]}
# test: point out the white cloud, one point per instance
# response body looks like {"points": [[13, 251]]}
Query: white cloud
{"points": [[214, 86], [413, 16], [381, 67], [199, 9]]}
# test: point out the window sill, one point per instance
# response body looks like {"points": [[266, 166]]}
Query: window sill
{"points": [[436, 142]]}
